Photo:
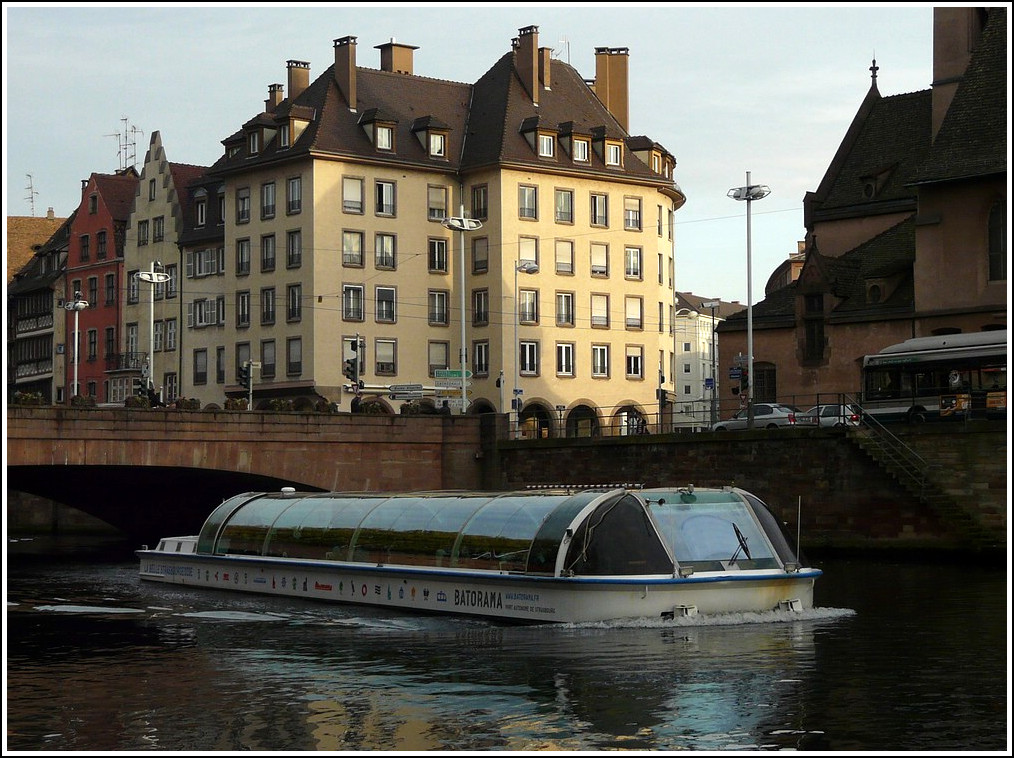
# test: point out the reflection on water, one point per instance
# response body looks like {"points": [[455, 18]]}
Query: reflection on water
{"points": [[99, 661]]}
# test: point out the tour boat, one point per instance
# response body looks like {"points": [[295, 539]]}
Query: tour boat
{"points": [[550, 554]]}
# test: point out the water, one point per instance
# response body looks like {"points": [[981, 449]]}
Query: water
{"points": [[897, 656]]}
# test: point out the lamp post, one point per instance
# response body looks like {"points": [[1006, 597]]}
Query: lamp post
{"points": [[77, 306], [152, 277], [712, 304], [523, 267], [749, 193], [462, 225]]}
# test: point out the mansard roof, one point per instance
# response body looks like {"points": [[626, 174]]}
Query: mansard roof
{"points": [[972, 141], [483, 121]]}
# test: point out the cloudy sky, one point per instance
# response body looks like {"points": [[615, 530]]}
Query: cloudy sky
{"points": [[727, 89]]}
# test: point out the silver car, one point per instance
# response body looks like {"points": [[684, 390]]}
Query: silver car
{"points": [[830, 415], [765, 416]]}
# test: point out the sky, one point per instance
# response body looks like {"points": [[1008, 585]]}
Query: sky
{"points": [[768, 89]]}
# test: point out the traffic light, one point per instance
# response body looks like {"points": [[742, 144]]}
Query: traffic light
{"points": [[352, 366], [139, 389], [745, 379], [244, 375]]}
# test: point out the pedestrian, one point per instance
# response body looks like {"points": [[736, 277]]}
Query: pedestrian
{"points": [[357, 403]]}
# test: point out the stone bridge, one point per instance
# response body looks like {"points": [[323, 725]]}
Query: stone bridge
{"points": [[124, 465]]}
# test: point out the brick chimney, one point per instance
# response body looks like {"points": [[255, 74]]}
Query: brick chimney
{"points": [[611, 81], [345, 69], [299, 78], [545, 58], [526, 60], [276, 94], [396, 58]]}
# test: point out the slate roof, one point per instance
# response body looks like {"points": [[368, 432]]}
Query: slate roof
{"points": [[893, 139], [972, 141], [483, 121], [891, 253]]}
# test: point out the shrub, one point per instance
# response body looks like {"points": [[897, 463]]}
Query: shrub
{"points": [[28, 398]]}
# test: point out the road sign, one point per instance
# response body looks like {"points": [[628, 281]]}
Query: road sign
{"points": [[735, 373], [405, 388], [451, 382], [450, 373], [405, 395], [455, 402]]}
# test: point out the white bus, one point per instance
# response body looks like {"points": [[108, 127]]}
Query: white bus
{"points": [[950, 376]]}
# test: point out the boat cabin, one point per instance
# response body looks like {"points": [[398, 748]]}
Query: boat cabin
{"points": [[538, 532]]}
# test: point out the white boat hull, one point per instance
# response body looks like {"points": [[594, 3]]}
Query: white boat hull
{"points": [[506, 596]]}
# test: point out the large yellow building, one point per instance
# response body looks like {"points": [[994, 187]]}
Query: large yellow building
{"points": [[352, 200]]}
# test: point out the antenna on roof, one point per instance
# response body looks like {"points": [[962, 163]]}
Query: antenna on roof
{"points": [[31, 193], [564, 47], [126, 144]]}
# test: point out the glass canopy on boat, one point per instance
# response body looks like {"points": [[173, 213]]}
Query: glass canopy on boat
{"points": [[511, 531], [590, 532]]}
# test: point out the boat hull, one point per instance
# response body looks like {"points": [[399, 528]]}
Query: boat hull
{"points": [[497, 595]]}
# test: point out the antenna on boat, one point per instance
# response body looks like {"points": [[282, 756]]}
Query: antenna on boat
{"points": [[799, 517]]}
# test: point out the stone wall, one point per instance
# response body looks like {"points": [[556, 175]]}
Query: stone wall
{"points": [[846, 499]]}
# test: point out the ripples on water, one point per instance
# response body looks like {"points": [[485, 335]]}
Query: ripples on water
{"points": [[100, 661]]}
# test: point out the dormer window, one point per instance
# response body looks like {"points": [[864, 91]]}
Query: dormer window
{"points": [[253, 143], [283, 135], [581, 150], [614, 154], [656, 163], [383, 137], [438, 145], [234, 151], [547, 146]]}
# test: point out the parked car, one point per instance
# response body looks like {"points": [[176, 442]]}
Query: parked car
{"points": [[830, 415], [765, 416]]}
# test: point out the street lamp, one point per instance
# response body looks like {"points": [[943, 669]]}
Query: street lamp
{"points": [[462, 225], [523, 267], [749, 193], [152, 277], [712, 304], [77, 306]]}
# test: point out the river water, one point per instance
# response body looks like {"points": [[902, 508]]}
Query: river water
{"points": [[896, 657]]}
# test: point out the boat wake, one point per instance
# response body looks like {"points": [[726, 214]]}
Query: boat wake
{"points": [[724, 619]]}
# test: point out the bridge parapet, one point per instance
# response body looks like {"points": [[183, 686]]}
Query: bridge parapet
{"points": [[326, 451]]}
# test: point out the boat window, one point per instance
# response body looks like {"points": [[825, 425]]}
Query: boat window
{"points": [[618, 539], [499, 535], [212, 524], [546, 545], [317, 527], [247, 529], [414, 530], [703, 530]]}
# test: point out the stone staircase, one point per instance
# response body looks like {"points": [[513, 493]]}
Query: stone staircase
{"points": [[926, 482]]}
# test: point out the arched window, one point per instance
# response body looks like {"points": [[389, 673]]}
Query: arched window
{"points": [[998, 242]]}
